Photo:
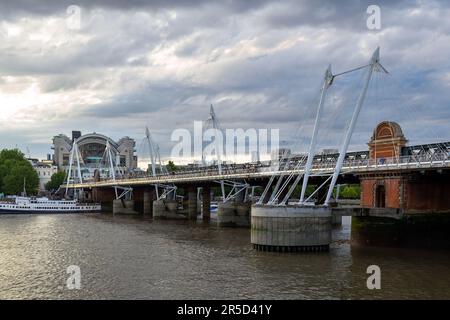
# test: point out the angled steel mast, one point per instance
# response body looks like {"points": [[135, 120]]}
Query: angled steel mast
{"points": [[374, 65], [216, 127], [328, 80], [236, 187], [154, 158]]}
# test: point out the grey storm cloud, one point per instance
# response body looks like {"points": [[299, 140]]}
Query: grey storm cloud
{"points": [[162, 63], [10, 9]]}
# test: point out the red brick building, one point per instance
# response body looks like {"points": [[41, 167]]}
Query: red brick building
{"points": [[413, 191]]}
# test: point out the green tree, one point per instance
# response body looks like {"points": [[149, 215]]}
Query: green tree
{"points": [[350, 192], [56, 180], [11, 154], [8, 159], [14, 169], [171, 167]]}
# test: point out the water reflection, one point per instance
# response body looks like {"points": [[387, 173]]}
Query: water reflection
{"points": [[131, 258]]}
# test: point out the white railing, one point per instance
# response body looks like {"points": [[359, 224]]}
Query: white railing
{"points": [[249, 171]]}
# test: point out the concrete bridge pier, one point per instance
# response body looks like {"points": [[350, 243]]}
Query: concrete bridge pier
{"points": [[123, 206], [192, 202], [166, 209], [336, 220], [147, 198], [206, 203], [290, 228], [233, 214], [148, 205]]}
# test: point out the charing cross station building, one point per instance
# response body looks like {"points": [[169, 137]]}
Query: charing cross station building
{"points": [[91, 148]]}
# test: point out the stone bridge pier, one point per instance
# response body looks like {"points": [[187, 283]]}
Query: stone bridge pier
{"points": [[235, 212], [206, 203], [166, 209]]}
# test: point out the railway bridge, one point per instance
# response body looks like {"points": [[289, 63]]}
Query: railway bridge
{"points": [[408, 184], [417, 181]]}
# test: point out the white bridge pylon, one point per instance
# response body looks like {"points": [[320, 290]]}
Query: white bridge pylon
{"points": [[283, 180], [76, 165], [163, 191], [74, 156], [374, 65], [237, 187], [126, 191]]}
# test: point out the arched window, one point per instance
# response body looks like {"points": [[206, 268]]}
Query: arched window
{"points": [[385, 133]]}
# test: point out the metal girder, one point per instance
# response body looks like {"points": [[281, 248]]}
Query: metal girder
{"points": [[125, 191], [236, 188], [167, 190]]}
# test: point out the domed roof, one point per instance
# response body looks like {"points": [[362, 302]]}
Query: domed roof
{"points": [[387, 130]]}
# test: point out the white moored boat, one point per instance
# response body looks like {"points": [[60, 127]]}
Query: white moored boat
{"points": [[45, 205]]}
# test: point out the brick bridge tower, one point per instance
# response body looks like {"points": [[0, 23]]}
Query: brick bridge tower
{"points": [[404, 204], [387, 141], [412, 191], [380, 191]]}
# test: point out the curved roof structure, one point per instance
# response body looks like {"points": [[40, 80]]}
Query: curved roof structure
{"points": [[387, 130], [96, 138]]}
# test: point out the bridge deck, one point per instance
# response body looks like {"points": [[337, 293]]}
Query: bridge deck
{"points": [[355, 167]]}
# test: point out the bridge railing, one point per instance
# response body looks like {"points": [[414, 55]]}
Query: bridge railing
{"points": [[427, 160], [326, 166]]}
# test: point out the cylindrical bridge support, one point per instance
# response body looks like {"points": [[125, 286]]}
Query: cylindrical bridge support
{"points": [[290, 228]]}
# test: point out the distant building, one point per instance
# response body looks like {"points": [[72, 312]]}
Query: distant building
{"points": [[75, 135], [280, 153], [44, 170], [92, 152], [330, 151], [33, 161], [45, 173]]}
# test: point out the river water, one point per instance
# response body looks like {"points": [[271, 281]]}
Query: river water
{"points": [[133, 258]]}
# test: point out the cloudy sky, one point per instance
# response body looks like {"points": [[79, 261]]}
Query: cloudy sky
{"points": [[125, 65]]}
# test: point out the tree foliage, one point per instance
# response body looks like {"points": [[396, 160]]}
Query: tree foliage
{"points": [[350, 192], [171, 167], [56, 180], [14, 170]]}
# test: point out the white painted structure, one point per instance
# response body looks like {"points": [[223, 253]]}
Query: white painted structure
{"points": [[44, 205], [45, 173]]}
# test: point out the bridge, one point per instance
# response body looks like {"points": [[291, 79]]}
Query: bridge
{"points": [[251, 171], [397, 181]]}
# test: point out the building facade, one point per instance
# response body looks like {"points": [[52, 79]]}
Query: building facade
{"points": [[45, 172], [413, 192], [91, 148]]}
